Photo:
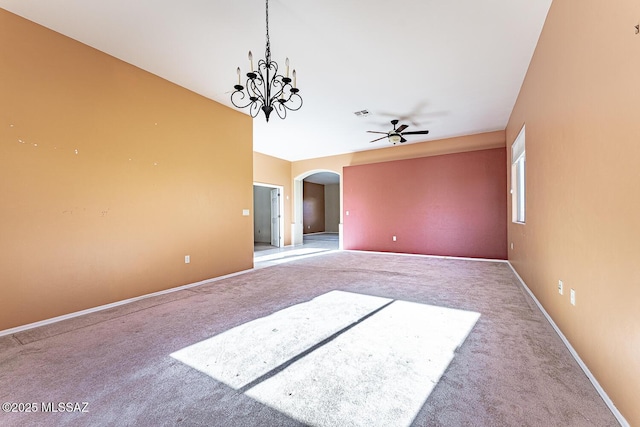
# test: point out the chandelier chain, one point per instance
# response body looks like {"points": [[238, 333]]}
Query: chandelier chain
{"points": [[268, 46]]}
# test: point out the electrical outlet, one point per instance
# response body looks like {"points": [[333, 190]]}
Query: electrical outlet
{"points": [[573, 297], [511, 245], [187, 259], [394, 238], [560, 287]]}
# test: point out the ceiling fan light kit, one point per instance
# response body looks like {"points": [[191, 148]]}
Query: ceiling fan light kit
{"points": [[266, 90], [395, 138], [397, 134]]}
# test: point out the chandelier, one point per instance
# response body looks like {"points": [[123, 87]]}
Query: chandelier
{"points": [[267, 90]]}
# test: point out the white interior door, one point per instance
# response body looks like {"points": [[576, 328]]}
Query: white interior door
{"points": [[275, 217]]}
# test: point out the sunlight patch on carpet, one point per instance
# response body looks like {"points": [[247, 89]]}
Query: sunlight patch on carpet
{"points": [[379, 373], [339, 359], [295, 254], [240, 355]]}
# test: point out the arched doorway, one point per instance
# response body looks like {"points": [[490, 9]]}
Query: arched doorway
{"points": [[331, 181]]}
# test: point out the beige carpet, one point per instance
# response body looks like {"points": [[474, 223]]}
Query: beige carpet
{"points": [[336, 360], [353, 345]]}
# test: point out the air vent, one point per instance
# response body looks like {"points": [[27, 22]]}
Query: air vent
{"points": [[362, 113]]}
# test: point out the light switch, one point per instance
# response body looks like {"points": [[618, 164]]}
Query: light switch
{"points": [[245, 212]]}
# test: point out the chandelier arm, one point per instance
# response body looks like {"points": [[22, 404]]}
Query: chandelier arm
{"points": [[253, 86], [237, 97], [278, 86], [269, 83], [282, 105], [280, 109], [297, 102], [255, 109], [254, 106]]}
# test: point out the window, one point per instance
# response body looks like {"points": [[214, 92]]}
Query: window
{"points": [[517, 178]]}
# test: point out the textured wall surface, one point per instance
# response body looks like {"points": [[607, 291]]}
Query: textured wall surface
{"points": [[313, 207], [109, 176], [579, 102], [453, 204]]}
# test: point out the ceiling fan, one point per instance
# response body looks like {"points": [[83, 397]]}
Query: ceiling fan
{"points": [[397, 135]]}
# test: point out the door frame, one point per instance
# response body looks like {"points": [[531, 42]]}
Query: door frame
{"points": [[280, 188]]}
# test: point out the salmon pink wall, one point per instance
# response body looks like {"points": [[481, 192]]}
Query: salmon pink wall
{"points": [[460, 144], [452, 205]]}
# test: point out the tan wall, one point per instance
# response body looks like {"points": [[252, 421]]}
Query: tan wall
{"points": [[274, 171], [460, 144], [481, 141], [159, 173], [332, 208], [580, 103]]}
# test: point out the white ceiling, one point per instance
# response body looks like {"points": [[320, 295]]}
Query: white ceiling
{"points": [[451, 66]]}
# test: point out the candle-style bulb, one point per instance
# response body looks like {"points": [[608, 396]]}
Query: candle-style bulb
{"points": [[294, 78], [286, 62], [251, 60], [238, 71]]}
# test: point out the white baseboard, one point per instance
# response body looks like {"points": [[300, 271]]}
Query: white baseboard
{"points": [[46, 322], [428, 256], [112, 305], [623, 422]]}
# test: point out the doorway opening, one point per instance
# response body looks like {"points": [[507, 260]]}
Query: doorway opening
{"points": [[268, 221], [317, 207]]}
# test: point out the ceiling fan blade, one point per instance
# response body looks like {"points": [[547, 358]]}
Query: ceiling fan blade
{"points": [[375, 131], [378, 139], [401, 128], [416, 132], [402, 140]]}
